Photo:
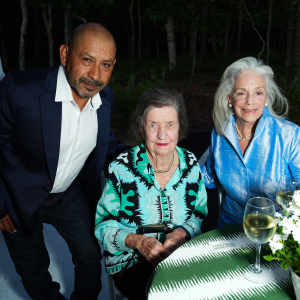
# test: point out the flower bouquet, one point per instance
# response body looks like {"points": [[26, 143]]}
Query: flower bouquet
{"points": [[285, 244]]}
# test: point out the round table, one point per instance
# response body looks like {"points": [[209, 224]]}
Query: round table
{"points": [[210, 266]]}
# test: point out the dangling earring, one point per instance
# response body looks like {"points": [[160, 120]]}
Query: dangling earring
{"points": [[266, 104], [230, 105]]}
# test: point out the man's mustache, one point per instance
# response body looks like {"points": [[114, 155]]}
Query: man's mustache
{"points": [[91, 81]]}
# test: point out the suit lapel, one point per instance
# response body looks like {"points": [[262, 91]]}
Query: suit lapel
{"points": [[51, 114], [103, 114]]}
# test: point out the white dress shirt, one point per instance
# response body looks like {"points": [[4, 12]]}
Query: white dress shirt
{"points": [[78, 133]]}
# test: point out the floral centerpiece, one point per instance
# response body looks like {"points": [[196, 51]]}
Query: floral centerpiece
{"points": [[285, 244]]}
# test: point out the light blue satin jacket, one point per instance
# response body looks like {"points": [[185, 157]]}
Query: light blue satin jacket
{"points": [[273, 151]]}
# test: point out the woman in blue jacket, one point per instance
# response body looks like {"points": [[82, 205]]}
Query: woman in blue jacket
{"points": [[252, 144]]}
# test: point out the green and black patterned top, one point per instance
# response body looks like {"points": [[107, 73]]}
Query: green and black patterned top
{"points": [[133, 197]]}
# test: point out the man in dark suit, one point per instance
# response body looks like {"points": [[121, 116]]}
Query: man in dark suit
{"points": [[54, 140]]}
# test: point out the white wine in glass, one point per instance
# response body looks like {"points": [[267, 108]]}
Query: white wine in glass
{"points": [[286, 187], [259, 226]]}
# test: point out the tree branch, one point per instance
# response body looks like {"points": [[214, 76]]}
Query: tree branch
{"points": [[253, 26]]}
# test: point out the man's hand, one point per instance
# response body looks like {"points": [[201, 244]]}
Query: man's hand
{"points": [[6, 224], [174, 239]]}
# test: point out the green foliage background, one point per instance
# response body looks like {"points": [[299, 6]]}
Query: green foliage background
{"points": [[131, 77], [128, 90]]}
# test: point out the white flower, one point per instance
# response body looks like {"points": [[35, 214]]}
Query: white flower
{"points": [[288, 233], [275, 243], [296, 235], [296, 231], [294, 218], [294, 207], [287, 225], [297, 211], [296, 198]]}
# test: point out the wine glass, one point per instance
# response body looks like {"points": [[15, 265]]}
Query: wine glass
{"points": [[259, 226], [286, 187]]}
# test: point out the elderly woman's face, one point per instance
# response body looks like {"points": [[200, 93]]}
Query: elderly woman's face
{"points": [[162, 127], [249, 97]]}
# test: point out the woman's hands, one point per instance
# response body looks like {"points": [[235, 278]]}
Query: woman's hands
{"points": [[149, 247], [175, 239], [153, 250]]}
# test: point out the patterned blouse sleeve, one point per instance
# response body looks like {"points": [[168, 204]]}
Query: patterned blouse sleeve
{"points": [[109, 231], [193, 225]]}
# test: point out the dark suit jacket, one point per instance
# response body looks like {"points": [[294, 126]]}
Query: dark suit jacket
{"points": [[30, 127]]}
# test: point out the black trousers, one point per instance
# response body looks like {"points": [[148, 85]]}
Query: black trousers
{"points": [[69, 213], [133, 282]]}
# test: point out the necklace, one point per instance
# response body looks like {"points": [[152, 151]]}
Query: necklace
{"points": [[240, 137], [169, 167]]}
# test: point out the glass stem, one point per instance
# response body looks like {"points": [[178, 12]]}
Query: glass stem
{"points": [[257, 263]]}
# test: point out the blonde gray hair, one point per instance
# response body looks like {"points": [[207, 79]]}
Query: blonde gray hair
{"points": [[277, 102]]}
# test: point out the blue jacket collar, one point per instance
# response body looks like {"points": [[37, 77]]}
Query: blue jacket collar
{"points": [[230, 132]]}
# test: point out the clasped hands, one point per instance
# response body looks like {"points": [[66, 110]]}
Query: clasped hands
{"points": [[153, 250]]}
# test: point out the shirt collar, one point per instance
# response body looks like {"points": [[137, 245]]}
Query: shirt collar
{"points": [[64, 92], [230, 131]]}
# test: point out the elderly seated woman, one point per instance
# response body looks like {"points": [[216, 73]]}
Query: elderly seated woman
{"points": [[153, 183], [252, 145]]}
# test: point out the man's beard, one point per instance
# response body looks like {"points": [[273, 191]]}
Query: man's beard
{"points": [[86, 93]]}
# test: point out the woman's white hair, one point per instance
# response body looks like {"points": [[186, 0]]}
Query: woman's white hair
{"points": [[277, 103]]}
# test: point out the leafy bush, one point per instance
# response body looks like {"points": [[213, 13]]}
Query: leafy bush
{"points": [[127, 96], [291, 88]]}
